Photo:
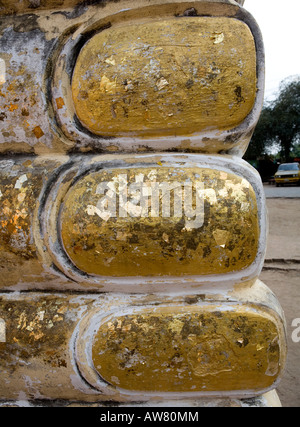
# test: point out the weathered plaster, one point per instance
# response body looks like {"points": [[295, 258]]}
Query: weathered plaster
{"points": [[40, 48], [45, 203], [25, 6], [105, 295], [51, 229], [50, 337]]}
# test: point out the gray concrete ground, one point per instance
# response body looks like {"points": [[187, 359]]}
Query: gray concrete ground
{"points": [[272, 191], [282, 274]]}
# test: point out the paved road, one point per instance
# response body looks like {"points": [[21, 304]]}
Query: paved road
{"points": [[272, 191]]}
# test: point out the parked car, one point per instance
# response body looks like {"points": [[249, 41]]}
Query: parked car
{"points": [[288, 173]]}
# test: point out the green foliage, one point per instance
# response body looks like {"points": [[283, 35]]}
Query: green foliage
{"points": [[262, 138], [279, 123]]}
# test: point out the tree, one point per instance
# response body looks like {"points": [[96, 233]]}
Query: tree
{"points": [[262, 138], [279, 122]]}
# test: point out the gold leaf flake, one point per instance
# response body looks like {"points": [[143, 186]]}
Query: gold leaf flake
{"points": [[218, 37]]}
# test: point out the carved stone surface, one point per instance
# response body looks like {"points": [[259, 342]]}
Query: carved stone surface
{"points": [[266, 400], [132, 233], [149, 109], [208, 349], [130, 223], [172, 77], [52, 339], [160, 221]]}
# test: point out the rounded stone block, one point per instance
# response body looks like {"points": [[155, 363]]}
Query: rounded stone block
{"points": [[160, 221], [69, 341], [188, 350], [176, 76], [130, 223], [137, 223], [204, 348], [184, 76]]}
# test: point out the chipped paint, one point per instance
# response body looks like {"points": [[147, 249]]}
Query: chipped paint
{"points": [[20, 181], [38, 132], [59, 102]]}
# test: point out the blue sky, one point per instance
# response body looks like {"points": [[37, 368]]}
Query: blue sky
{"points": [[279, 21]]}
